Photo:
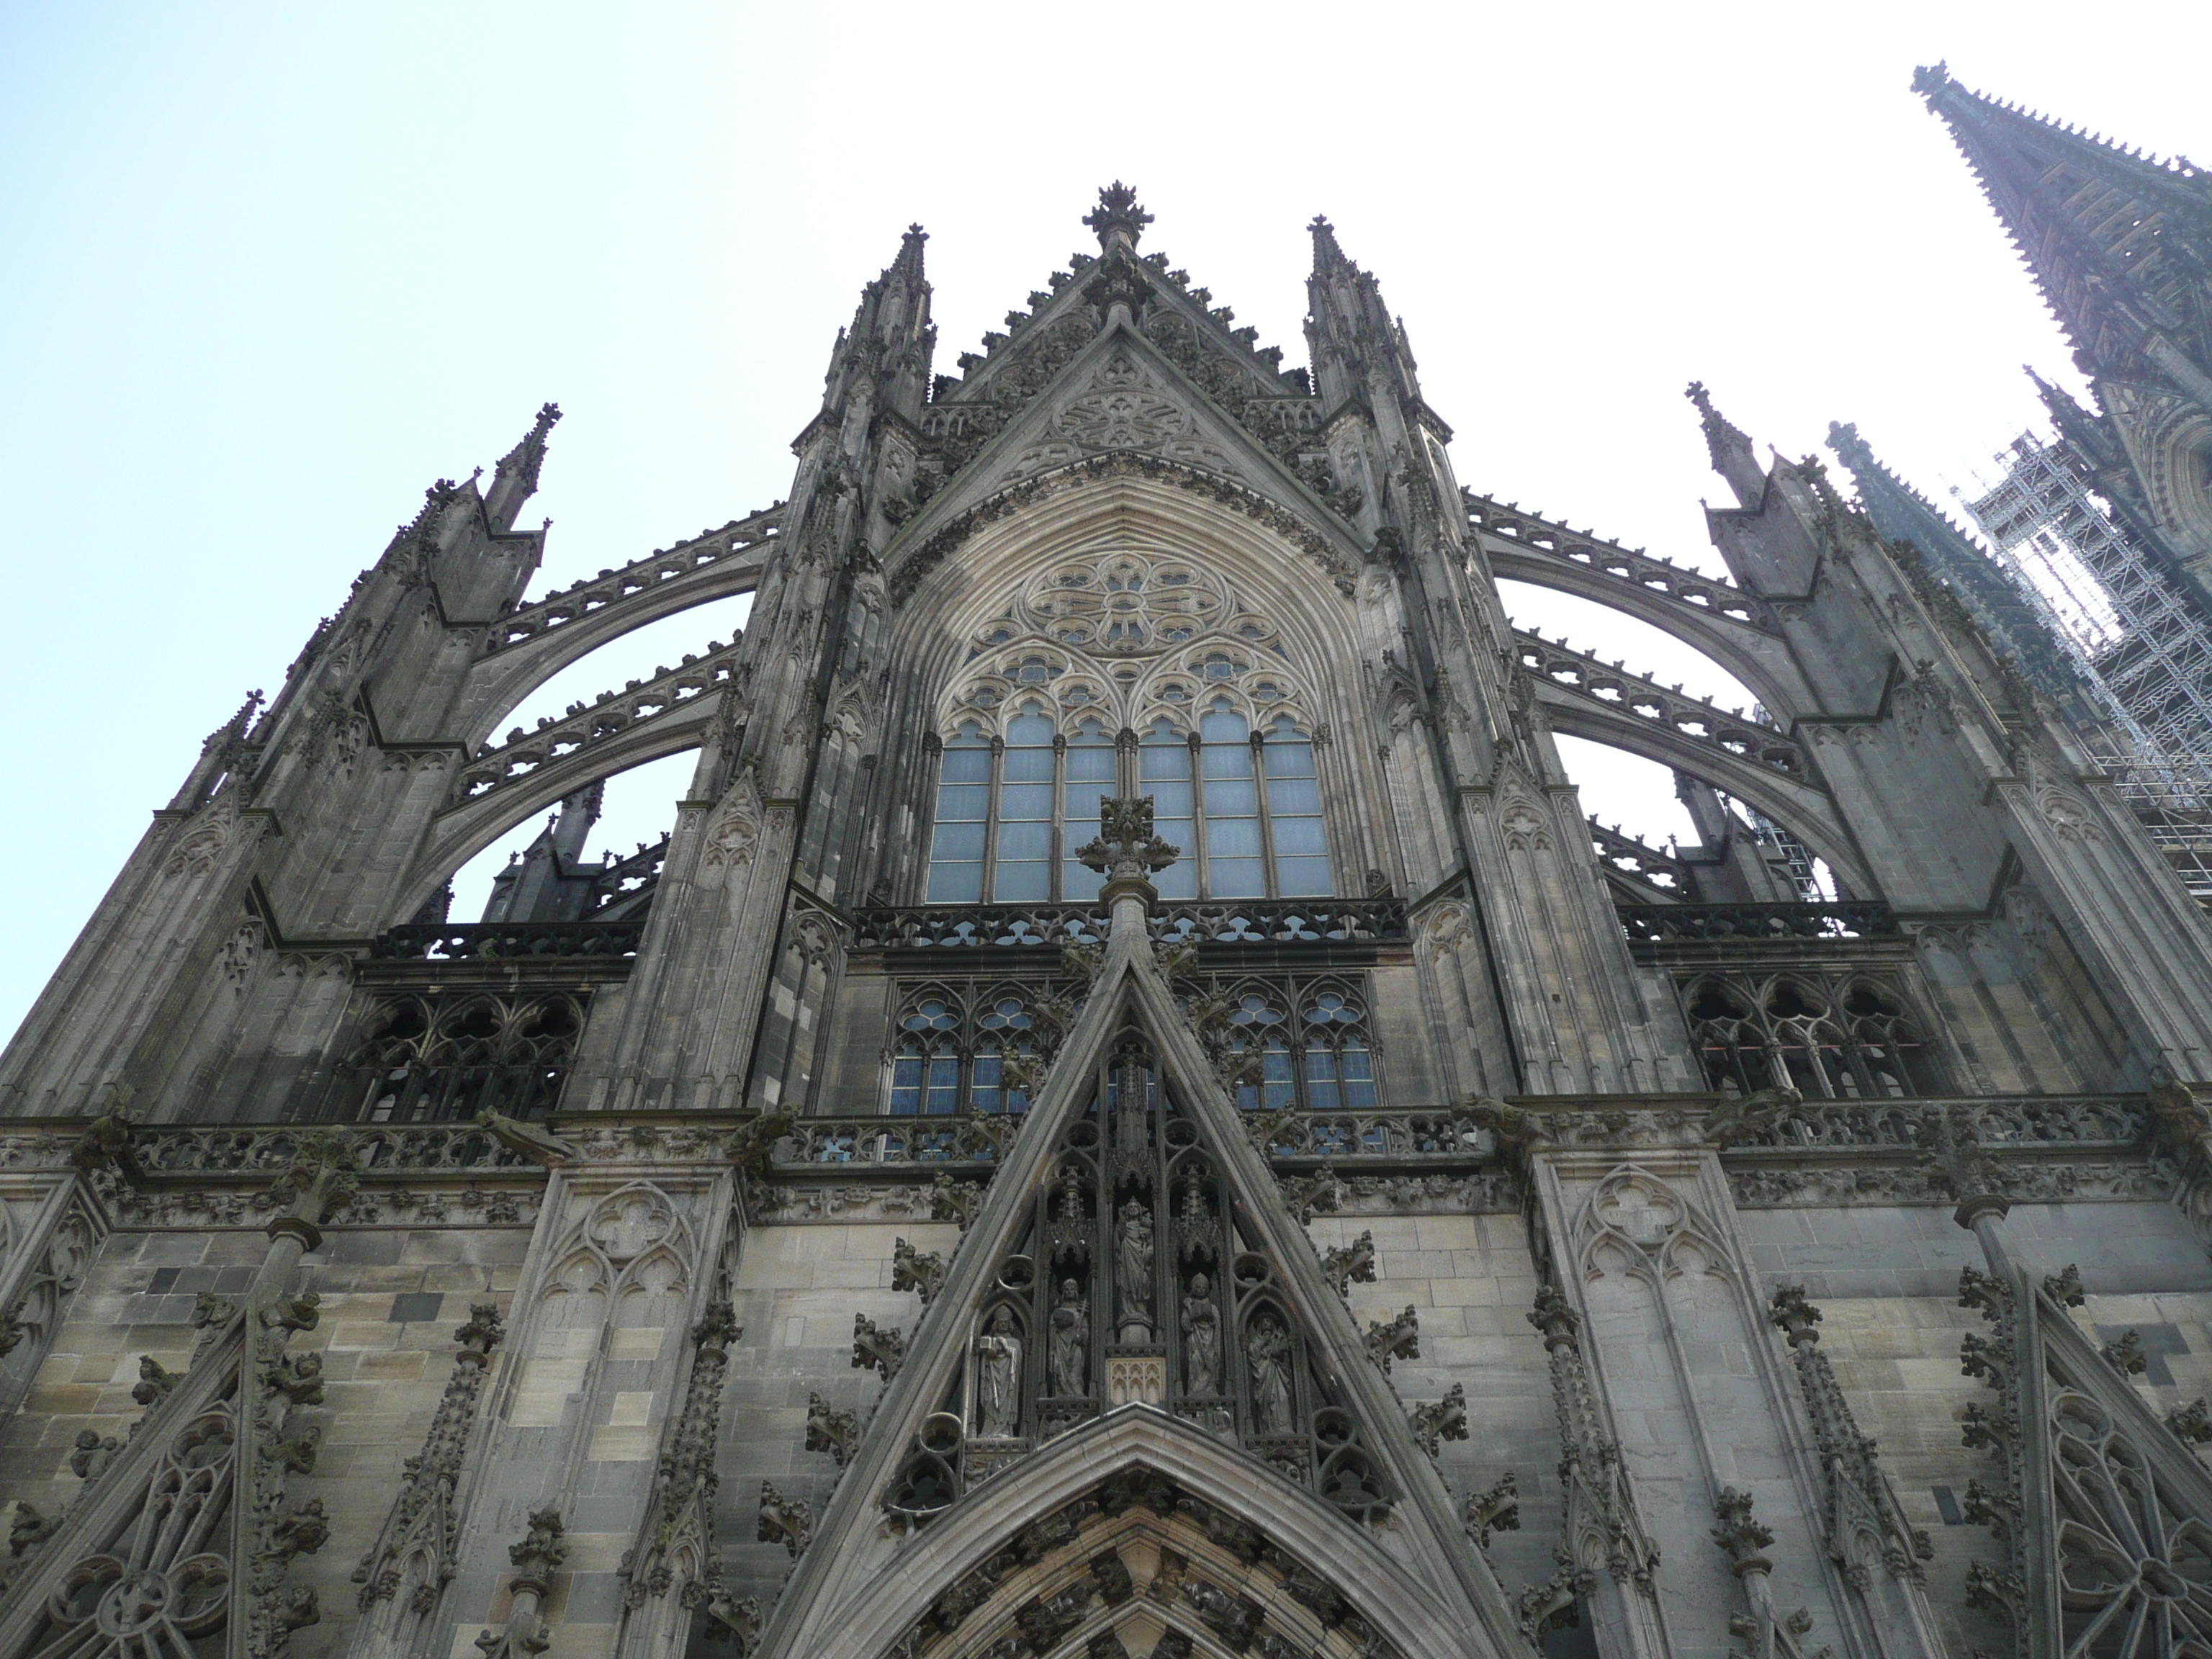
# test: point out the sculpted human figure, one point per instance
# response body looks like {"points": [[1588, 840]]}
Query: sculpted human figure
{"points": [[1202, 1339], [1068, 1353], [998, 1379], [1269, 1357], [1133, 1273]]}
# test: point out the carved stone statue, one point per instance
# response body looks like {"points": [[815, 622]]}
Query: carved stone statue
{"points": [[1068, 1353], [1132, 1265], [999, 1380], [1202, 1339], [1269, 1354]]}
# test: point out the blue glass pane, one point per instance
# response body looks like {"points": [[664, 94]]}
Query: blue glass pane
{"points": [[1299, 836], [905, 1085], [1290, 760], [1236, 878], [1293, 794], [1023, 884], [955, 883], [1320, 1080], [1224, 761], [1083, 800], [1169, 800], [1180, 880], [1164, 760], [1234, 800], [1029, 729], [1025, 800], [943, 1083], [1078, 883], [955, 843], [1231, 838], [1027, 766], [965, 802], [1025, 839], [1358, 1077], [1094, 762], [966, 766], [1223, 725], [1304, 876]]}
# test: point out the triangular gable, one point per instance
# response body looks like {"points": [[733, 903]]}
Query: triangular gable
{"points": [[1133, 1253], [1119, 396]]}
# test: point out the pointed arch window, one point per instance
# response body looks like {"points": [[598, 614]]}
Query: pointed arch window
{"points": [[1828, 1039], [1243, 806], [1312, 1039], [952, 1049]]}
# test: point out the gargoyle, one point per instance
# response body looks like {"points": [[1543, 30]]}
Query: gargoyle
{"points": [[539, 1146]]}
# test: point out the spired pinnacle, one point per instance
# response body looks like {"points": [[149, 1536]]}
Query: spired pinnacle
{"points": [[1928, 81], [1730, 447], [1117, 218]]}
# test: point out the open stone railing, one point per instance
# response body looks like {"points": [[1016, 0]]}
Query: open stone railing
{"points": [[1698, 718], [1242, 922], [586, 724], [583, 598], [1849, 918], [489, 940], [1714, 595]]}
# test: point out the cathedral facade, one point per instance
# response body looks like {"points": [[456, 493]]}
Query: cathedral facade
{"points": [[1132, 1114]]}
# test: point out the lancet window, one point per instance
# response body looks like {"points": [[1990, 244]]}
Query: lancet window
{"points": [[1012, 813], [952, 1046], [1313, 1042], [1244, 807], [1837, 1038], [437, 1057]]}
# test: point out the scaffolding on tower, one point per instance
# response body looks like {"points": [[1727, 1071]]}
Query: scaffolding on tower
{"points": [[2145, 647]]}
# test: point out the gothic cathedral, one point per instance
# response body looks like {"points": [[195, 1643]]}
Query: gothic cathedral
{"points": [[1131, 1116]]}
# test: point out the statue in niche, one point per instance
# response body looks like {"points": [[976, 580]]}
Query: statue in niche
{"points": [[1269, 1354], [1068, 1353], [999, 1379], [1132, 1265], [1202, 1339]]}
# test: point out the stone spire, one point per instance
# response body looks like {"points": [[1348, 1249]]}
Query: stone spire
{"points": [[1730, 449], [1350, 331], [2119, 242], [891, 338], [516, 479]]}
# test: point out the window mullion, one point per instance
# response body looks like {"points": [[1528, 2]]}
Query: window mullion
{"points": [[1266, 816], [1058, 852], [991, 820], [1198, 818]]}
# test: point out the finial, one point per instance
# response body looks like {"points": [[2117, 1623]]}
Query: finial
{"points": [[1324, 235], [1117, 218], [1928, 80], [547, 415]]}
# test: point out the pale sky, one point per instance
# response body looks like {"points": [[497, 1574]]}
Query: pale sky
{"points": [[271, 269]]}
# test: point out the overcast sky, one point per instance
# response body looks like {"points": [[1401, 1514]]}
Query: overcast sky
{"points": [[271, 269]]}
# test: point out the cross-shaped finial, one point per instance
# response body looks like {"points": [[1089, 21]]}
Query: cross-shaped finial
{"points": [[1127, 851]]}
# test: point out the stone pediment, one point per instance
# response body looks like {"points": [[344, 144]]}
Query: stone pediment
{"points": [[1119, 396]]}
